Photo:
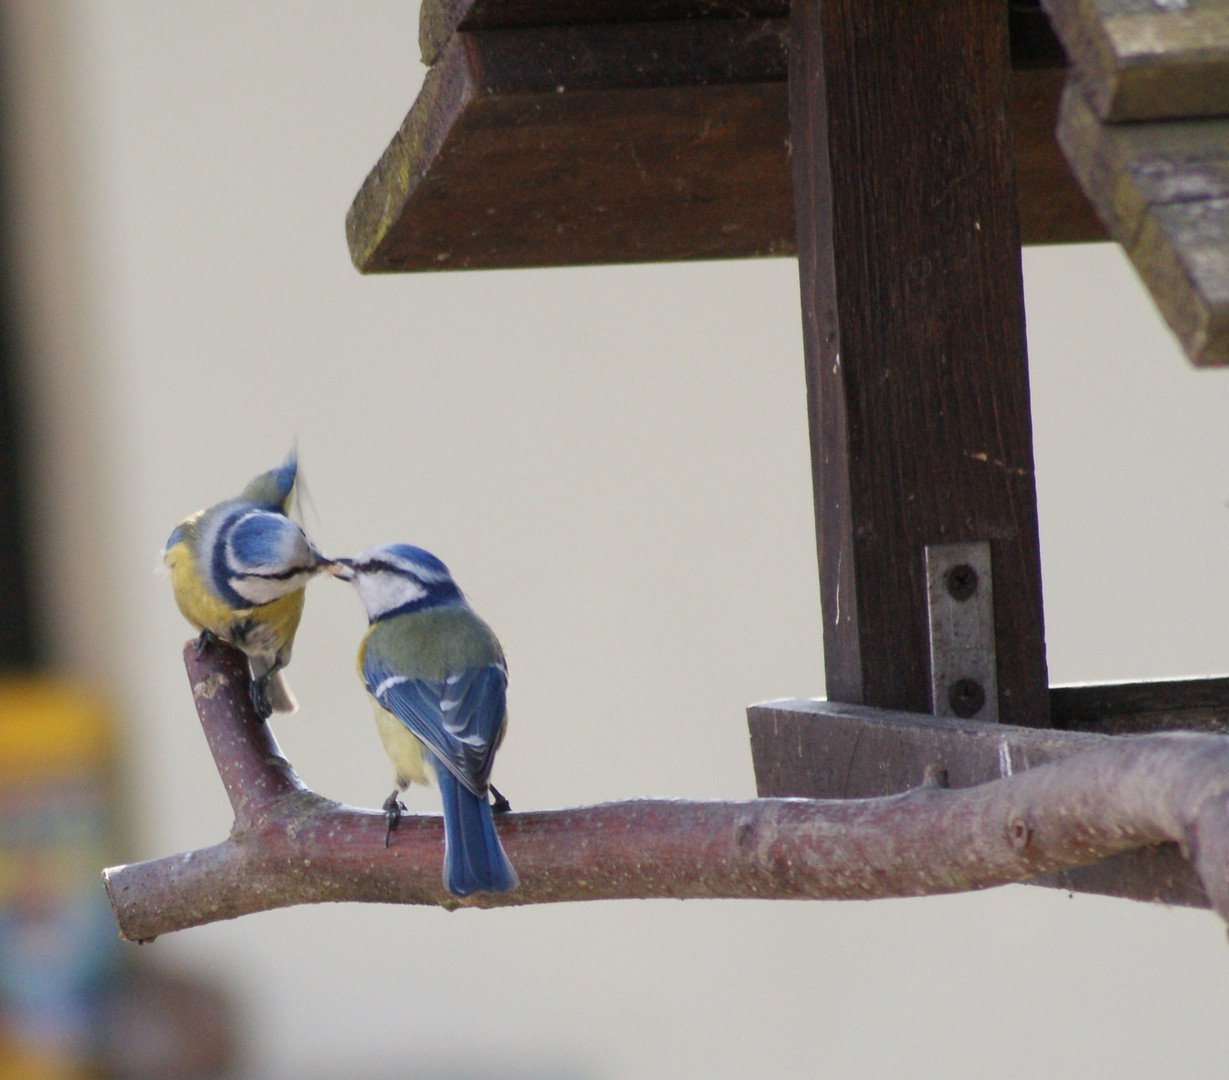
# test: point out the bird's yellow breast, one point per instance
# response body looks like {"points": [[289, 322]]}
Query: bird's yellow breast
{"points": [[267, 630], [403, 749], [194, 600]]}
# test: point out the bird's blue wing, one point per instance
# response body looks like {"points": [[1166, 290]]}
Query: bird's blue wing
{"points": [[460, 719]]}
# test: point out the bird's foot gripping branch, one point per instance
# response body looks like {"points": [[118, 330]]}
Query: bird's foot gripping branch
{"points": [[291, 846]]}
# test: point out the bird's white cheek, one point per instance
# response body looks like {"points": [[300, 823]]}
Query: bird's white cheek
{"points": [[257, 591], [383, 592]]}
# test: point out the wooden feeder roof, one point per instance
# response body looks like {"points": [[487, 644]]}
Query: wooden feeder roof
{"points": [[562, 132]]}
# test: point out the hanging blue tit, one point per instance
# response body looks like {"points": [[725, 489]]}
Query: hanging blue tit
{"points": [[437, 674], [238, 571]]}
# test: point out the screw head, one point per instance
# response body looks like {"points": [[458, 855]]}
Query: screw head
{"points": [[966, 698], [961, 581]]}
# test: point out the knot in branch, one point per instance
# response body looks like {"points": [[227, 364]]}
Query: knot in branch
{"points": [[1020, 834]]}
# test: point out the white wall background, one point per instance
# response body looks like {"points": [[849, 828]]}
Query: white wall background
{"points": [[613, 461]]}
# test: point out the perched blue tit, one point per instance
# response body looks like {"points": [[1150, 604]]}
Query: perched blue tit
{"points": [[437, 674], [238, 571]]}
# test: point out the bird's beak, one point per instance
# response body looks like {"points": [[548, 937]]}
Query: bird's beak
{"points": [[342, 569]]}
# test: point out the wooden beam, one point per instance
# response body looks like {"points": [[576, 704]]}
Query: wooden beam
{"points": [[1162, 190], [1143, 707], [913, 325], [1051, 205], [827, 750], [1148, 61], [563, 145], [823, 749], [1033, 42], [438, 20]]}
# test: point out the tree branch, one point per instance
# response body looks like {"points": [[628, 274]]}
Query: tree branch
{"points": [[291, 846]]}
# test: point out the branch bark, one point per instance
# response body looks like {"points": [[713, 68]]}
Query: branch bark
{"points": [[290, 845]]}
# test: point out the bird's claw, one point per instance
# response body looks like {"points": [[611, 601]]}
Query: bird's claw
{"points": [[393, 809], [499, 804], [206, 640], [259, 693]]}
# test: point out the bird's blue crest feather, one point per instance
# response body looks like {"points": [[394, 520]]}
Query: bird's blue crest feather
{"points": [[274, 488], [284, 475]]}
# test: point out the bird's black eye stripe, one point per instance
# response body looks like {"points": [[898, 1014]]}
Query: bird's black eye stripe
{"points": [[280, 575]]}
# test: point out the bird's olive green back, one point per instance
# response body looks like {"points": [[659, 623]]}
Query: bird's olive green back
{"points": [[434, 643]]}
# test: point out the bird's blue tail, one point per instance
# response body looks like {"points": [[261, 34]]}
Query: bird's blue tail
{"points": [[474, 861]]}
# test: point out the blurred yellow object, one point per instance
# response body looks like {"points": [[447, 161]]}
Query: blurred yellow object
{"points": [[76, 1004], [17, 1063], [58, 946], [50, 725]]}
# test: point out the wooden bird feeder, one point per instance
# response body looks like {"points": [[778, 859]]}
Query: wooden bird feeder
{"points": [[902, 153]]}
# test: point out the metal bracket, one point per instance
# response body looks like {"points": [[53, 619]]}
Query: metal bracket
{"points": [[960, 609]]}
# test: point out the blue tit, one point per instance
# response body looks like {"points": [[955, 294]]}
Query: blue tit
{"points": [[437, 674], [238, 571]]}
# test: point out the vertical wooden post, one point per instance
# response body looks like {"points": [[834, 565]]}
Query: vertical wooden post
{"points": [[913, 316], [20, 644]]}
